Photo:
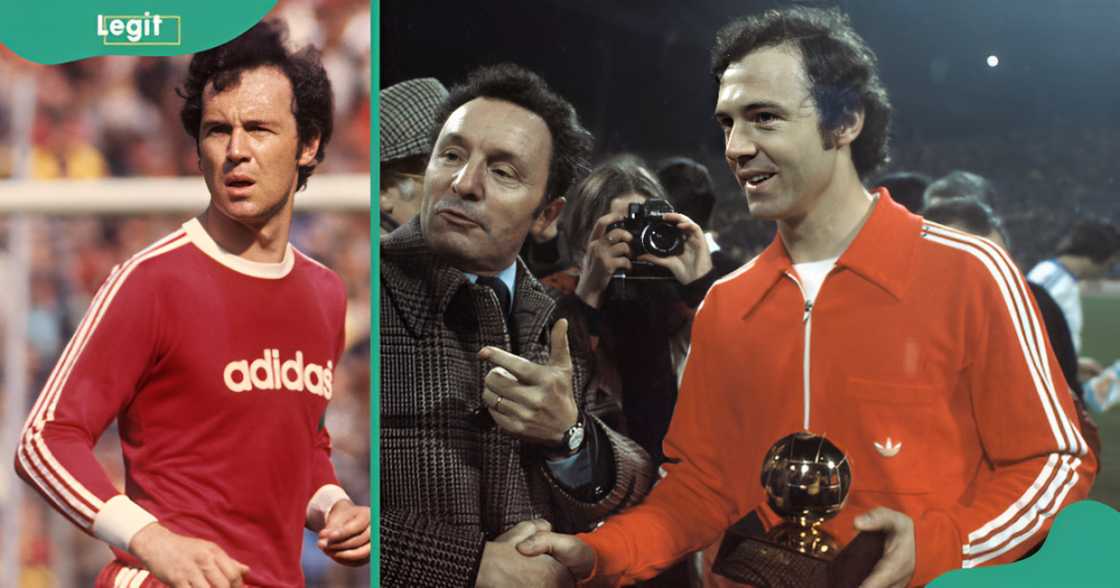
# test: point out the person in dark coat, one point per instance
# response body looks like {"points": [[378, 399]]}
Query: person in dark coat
{"points": [[483, 418]]}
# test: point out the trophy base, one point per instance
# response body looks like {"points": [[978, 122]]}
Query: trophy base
{"points": [[747, 556]]}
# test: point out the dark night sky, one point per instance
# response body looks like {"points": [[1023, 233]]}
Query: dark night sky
{"points": [[637, 70]]}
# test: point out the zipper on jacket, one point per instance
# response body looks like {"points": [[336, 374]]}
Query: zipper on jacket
{"points": [[807, 320]]}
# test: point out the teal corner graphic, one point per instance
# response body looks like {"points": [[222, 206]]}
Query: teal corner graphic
{"points": [[1077, 552], [58, 31]]}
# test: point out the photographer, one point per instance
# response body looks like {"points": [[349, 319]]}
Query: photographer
{"points": [[635, 327], [633, 331]]}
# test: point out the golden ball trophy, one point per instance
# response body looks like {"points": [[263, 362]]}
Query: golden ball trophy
{"points": [[807, 479]]}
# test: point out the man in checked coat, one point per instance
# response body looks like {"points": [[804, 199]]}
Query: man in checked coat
{"points": [[482, 410]]}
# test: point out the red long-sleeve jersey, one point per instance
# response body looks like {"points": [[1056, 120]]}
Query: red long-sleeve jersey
{"points": [[218, 370]]}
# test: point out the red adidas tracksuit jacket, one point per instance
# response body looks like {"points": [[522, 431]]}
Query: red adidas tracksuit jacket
{"points": [[922, 357]]}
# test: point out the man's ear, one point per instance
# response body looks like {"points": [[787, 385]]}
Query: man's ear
{"points": [[308, 150], [544, 224], [850, 129]]}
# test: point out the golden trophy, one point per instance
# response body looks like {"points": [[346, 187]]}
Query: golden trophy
{"points": [[807, 479]]}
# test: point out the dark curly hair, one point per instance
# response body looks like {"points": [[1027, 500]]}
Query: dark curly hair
{"points": [[842, 71], [260, 46], [571, 143]]}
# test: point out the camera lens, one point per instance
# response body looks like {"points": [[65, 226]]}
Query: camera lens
{"points": [[662, 239]]}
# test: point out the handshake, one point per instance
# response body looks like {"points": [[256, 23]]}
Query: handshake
{"points": [[530, 555]]}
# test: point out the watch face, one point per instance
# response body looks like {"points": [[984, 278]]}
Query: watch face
{"points": [[575, 438]]}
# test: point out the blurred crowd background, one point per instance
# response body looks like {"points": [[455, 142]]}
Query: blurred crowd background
{"points": [[119, 117], [1039, 190]]}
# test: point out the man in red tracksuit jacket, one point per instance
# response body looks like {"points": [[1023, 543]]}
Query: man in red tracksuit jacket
{"points": [[916, 348]]}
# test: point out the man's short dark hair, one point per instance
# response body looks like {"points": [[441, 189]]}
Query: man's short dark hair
{"points": [[968, 213], [906, 188], [842, 71], [261, 46], [591, 198], [571, 143], [689, 186], [1095, 239], [958, 184]]}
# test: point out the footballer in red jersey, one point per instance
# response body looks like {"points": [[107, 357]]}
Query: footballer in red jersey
{"points": [[214, 350]]}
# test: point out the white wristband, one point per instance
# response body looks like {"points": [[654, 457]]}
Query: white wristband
{"points": [[321, 504], [119, 520]]}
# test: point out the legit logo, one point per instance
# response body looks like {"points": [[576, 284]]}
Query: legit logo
{"points": [[149, 29]]}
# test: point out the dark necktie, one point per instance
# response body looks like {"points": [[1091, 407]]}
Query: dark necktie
{"points": [[482, 415], [499, 288]]}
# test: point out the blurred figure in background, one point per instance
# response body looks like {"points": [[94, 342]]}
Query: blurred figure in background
{"points": [[959, 183], [906, 188], [639, 340], [635, 344], [689, 188], [1087, 252], [408, 111]]}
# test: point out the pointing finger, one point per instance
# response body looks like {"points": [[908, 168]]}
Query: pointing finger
{"points": [[522, 369]]}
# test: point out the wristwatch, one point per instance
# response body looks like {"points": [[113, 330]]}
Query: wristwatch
{"points": [[572, 441]]}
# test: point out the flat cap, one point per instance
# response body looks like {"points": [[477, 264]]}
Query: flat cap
{"points": [[407, 112]]}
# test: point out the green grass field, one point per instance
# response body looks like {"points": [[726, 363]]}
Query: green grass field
{"points": [[1101, 341]]}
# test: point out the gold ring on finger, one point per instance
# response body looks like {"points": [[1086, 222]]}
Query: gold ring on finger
{"points": [[498, 403]]}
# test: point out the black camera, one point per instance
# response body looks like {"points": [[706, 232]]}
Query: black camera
{"points": [[652, 233]]}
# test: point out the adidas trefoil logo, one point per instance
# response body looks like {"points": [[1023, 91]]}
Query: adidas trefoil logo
{"points": [[890, 449]]}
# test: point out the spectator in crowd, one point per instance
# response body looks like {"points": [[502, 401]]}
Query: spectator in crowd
{"points": [[1087, 252], [689, 188], [484, 415], [1042, 191], [407, 114], [63, 148], [906, 188], [638, 339], [956, 183], [635, 345]]}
